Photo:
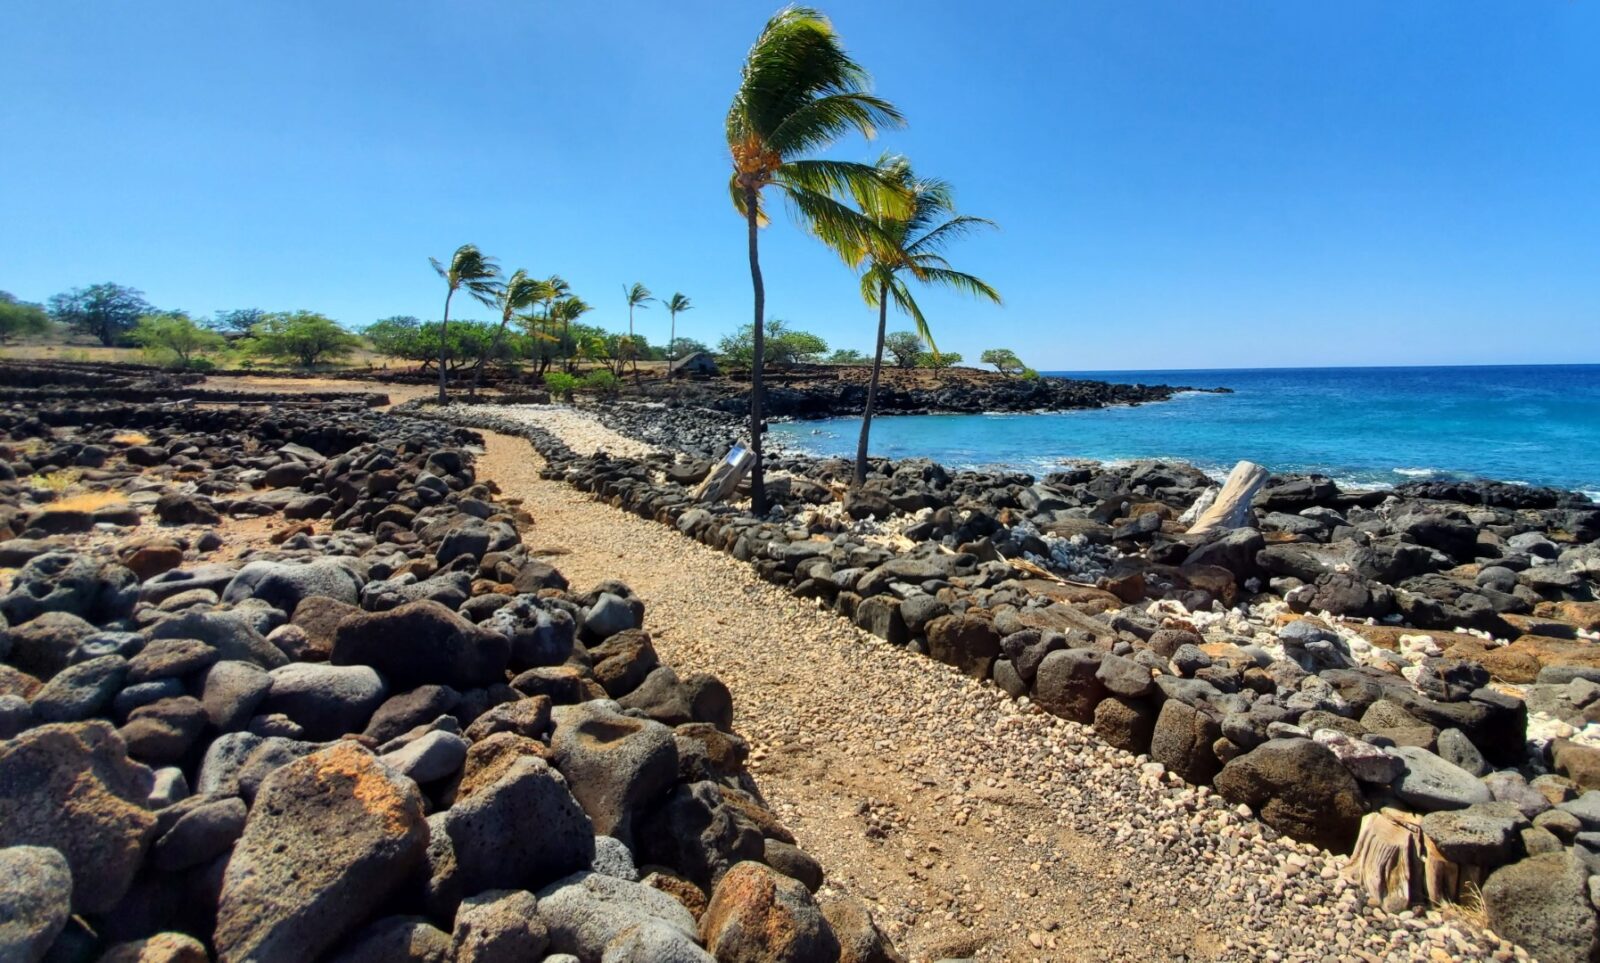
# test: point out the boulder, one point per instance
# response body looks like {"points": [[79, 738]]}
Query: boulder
{"points": [[327, 701], [1484, 834], [1065, 684], [329, 838], [1429, 783], [1182, 741], [623, 661], [614, 764], [35, 901], [231, 633], [429, 757], [80, 691], [518, 832], [401, 713], [1542, 904], [397, 939], [284, 585], [967, 642], [163, 732], [586, 913], [202, 831], [1128, 724], [231, 693], [422, 643], [699, 833], [1300, 789], [499, 926], [160, 948], [759, 916], [71, 787], [860, 940]]}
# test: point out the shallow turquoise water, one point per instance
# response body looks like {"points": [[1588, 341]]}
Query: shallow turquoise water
{"points": [[1538, 425]]}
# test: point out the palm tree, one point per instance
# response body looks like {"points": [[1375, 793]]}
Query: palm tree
{"points": [[469, 268], [568, 310], [638, 297], [676, 303], [799, 91], [909, 244], [553, 289], [520, 291]]}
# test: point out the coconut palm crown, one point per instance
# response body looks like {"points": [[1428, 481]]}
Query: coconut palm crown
{"points": [[674, 305], [799, 92], [478, 274], [908, 245], [520, 290]]}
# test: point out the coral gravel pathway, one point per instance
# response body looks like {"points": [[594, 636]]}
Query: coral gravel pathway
{"points": [[971, 825]]}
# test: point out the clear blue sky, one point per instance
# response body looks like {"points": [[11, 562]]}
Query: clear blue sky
{"points": [[1186, 183]]}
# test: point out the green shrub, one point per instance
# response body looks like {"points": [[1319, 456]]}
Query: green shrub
{"points": [[561, 383], [601, 382]]}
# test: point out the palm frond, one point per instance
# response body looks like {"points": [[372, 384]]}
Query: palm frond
{"points": [[951, 230], [824, 120], [842, 228], [900, 293], [961, 281]]}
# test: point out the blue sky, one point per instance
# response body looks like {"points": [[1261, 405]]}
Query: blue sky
{"points": [[1183, 184]]}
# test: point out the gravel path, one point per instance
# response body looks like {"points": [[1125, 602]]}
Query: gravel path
{"points": [[972, 825]]}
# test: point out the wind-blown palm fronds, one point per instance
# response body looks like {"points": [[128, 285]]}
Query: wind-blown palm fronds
{"points": [[799, 92], [520, 290], [908, 246], [478, 274], [675, 304]]}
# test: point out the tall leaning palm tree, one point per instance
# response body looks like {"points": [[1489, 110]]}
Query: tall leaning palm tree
{"points": [[638, 296], [520, 290], [908, 246], [471, 269], [799, 92], [553, 289], [675, 304]]}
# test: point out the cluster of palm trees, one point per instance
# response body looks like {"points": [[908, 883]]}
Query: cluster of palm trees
{"points": [[639, 297], [479, 275], [799, 92]]}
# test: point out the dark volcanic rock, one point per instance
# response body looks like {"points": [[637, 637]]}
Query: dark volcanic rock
{"points": [[422, 643], [329, 837]]}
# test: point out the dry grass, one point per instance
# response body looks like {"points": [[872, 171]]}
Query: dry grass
{"points": [[58, 481], [87, 502], [1468, 908], [130, 438]]}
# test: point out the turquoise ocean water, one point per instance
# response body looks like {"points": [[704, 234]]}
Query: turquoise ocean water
{"points": [[1538, 425]]}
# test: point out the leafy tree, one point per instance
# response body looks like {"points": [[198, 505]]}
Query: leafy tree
{"points": [[906, 347], [107, 311], [21, 319], [938, 360], [173, 338], [798, 92], [303, 337], [397, 337], [675, 304], [1004, 360], [909, 243], [684, 347], [781, 344], [469, 268], [602, 382], [845, 356], [237, 321]]}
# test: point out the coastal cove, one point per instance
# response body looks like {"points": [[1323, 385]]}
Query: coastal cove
{"points": [[1538, 425]]}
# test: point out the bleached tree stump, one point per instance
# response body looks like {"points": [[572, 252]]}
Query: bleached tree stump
{"points": [[1399, 866], [1232, 507]]}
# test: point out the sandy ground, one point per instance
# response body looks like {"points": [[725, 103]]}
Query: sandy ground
{"points": [[970, 825]]}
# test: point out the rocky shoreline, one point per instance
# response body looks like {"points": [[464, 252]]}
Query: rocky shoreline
{"points": [[284, 685], [1428, 651], [816, 392]]}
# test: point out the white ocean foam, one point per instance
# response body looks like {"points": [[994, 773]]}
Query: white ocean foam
{"points": [[1593, 496], [1416, 472]]}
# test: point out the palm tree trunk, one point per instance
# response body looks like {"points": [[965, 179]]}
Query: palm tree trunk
{"points": [[758, 491], [444, 338], [672, 335], [872, 386]]}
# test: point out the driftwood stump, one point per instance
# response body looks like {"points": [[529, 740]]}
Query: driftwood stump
{"points": [[1399, 866], [1232, 507]]}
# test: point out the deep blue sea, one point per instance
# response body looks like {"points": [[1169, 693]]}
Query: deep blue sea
{"points": [[1538, 425]]}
